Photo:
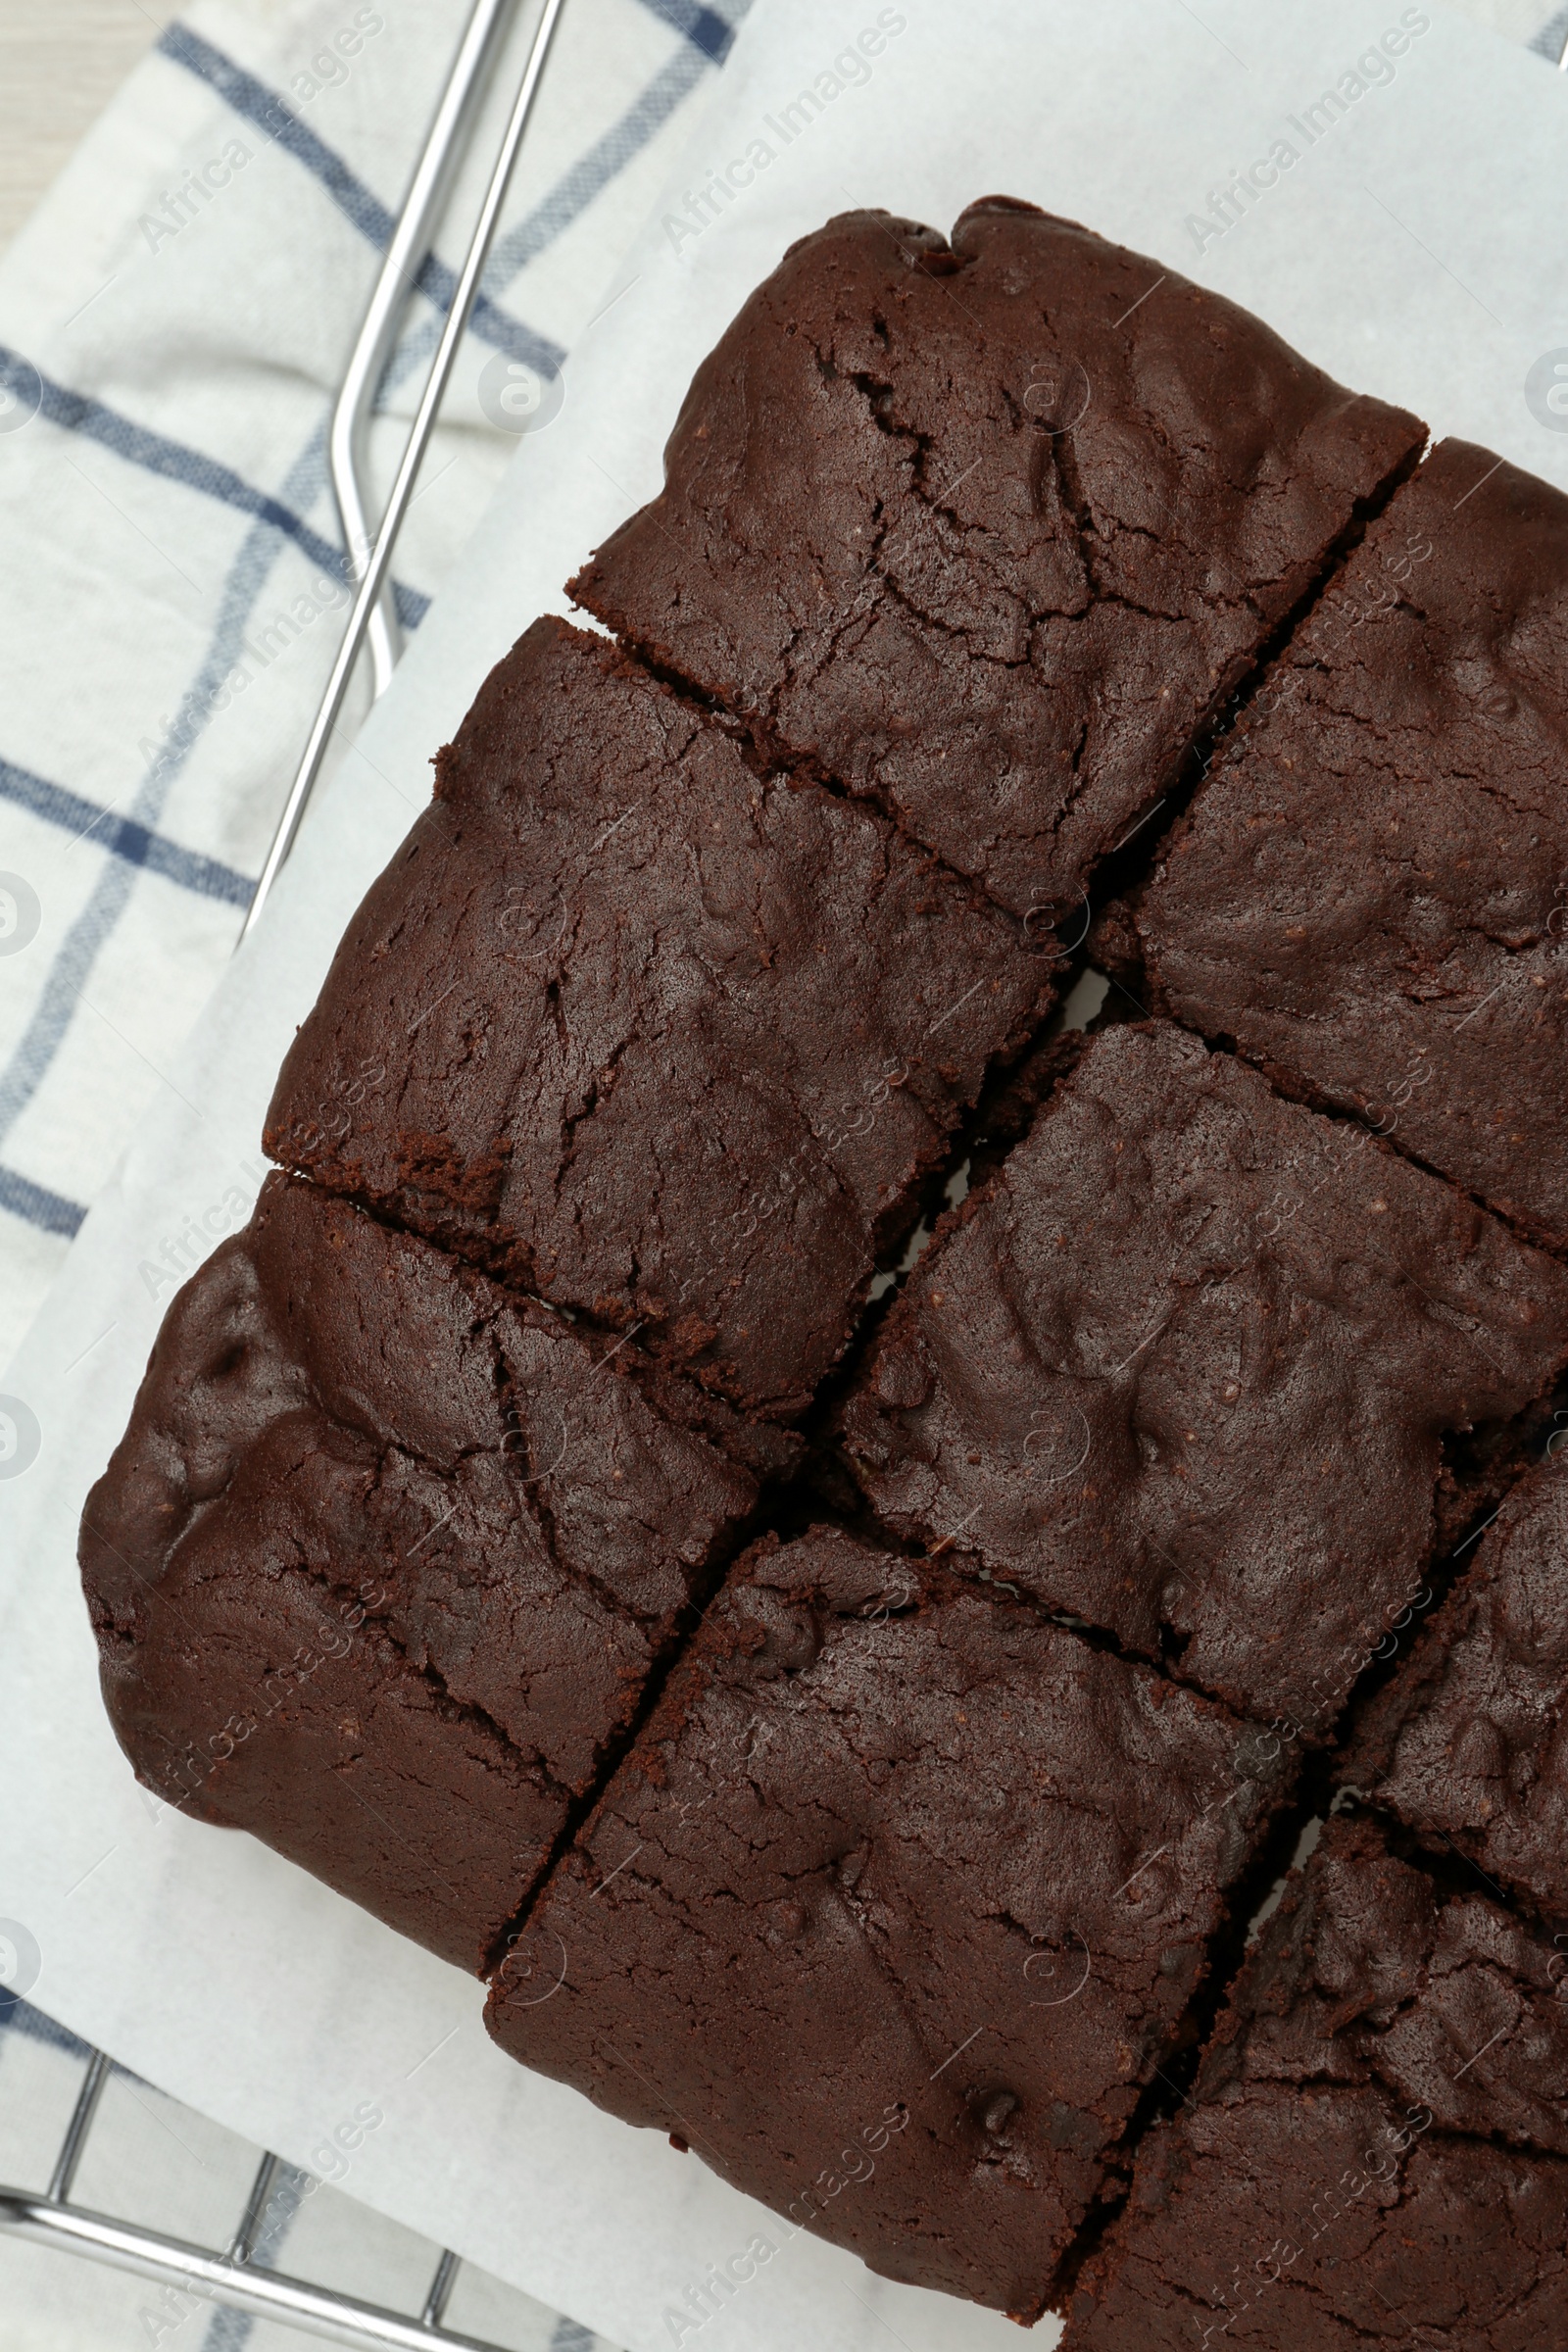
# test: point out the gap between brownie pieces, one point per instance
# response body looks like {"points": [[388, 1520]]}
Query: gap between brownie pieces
{"points": [[760, 746], [1291, 1839], [1477, 1467], [1294, 1086], [618, 1744], [1450, 1870], [1315, 1798], [1449, 1882]]}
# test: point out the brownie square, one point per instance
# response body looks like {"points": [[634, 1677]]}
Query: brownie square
{"points": [[665, 1041], [989, 529], [1376, 2152], [384, 1559], [1468, 1744], [1187, 1366], [1368, 895], [894, 1906]]}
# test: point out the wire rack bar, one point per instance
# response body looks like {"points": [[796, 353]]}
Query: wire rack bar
{"points": [[441, 2286], [489, 21], [381, 560], [256, 2204], [51, 2219], [63, 2174], [213, 2277]]}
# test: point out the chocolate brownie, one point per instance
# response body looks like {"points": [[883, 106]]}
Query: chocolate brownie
{"points": [[384, 1559], [1377, 2147], [664, 1040], [1185, 1368], [1468, 1744], [896, 1902], [1369, 895], [989, 528]]}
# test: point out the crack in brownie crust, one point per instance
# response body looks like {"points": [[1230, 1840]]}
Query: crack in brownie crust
{"points": [[666, 1041], [385, 1559], [989, 529], [900, 1881], [1368, 895], [1469, 1745], [1184, 1370], [1376, 2149]]}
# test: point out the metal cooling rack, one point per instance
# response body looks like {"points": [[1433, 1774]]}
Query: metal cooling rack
{"points": [[220, 2278], [371, 558], [227, 2277]]}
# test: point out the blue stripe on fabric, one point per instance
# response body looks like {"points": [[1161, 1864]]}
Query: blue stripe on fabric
{"points": [[703, 27], [581, 183], [20, 2016], [35, 1204], [95, 923], [1549, 39], [412, 602], [124, 837], [256, 103], [155, 453]]}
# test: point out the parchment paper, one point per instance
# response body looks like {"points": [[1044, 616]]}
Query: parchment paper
{"points": [[1417, 246]]}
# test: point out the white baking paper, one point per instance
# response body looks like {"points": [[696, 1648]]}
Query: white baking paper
{"points": [[1417, 246]]}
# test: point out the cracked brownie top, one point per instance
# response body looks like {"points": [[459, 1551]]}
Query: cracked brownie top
{"points": [[1369, 894], [385, 1557], [893, 1853], [1186, 1367], [988, 528], [1469, 1745], [668, 1041], [1374, 2151]]}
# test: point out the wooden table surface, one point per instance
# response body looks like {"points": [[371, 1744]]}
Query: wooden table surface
{"points": [[61, 61]]}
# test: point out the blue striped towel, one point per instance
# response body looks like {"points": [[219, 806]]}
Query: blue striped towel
{"points": [[173, 324]]}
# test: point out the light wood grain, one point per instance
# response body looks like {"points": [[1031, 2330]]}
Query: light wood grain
{"points": [[61, 61]]}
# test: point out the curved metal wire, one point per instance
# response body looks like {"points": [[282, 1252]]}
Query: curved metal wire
{"points": [[488, 24], [380, 560]]}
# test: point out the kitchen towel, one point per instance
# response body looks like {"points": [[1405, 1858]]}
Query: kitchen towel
{"points": [[174, 322]]}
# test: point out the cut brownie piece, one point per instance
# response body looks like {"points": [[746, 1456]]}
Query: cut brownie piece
{"points": [[1369, 894], [381, 1565], [1469, 1743], [1377, 2148], [989, 530], [896, 1902], [667, 1042], [1186, 1367]]}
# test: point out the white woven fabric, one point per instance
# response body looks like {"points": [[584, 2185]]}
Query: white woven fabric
{"points": [[173, 324]]}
